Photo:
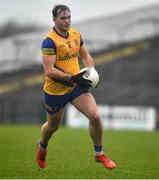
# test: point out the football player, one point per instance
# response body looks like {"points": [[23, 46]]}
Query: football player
{"points": [[65, 83]]}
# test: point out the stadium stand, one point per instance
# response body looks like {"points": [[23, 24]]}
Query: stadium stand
{"points": [[128, 79], [133, 79]]}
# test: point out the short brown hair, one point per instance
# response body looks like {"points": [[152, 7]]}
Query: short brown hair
{"points": [[59, 8]]}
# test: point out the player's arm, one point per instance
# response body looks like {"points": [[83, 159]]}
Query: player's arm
{"points": [[54, 73], [61, 77], [86, 57], [49, 59]]}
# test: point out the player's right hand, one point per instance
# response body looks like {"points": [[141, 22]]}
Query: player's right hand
{"points": [[80, 81]]}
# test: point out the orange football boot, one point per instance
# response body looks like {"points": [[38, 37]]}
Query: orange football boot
{"points": [[109, 164], [41, 156]]}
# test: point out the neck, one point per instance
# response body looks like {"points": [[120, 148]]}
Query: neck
{"points": [[62, 33]]}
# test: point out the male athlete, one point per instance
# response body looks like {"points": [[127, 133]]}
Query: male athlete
{"points": [[64, 83]]}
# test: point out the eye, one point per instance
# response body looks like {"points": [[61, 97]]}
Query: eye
{"points": [[63, 18]]}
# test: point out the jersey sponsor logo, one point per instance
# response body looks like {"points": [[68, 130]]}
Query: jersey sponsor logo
{"points": [[68, 57]]}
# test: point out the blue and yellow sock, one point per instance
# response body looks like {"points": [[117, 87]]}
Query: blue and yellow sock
{"points": [[98, 150]]}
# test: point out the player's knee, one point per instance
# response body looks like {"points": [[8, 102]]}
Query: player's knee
{"points": [[95, 118], [53, 128]]}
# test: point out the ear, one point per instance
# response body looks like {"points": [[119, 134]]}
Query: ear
{"points": [[53, 18]]}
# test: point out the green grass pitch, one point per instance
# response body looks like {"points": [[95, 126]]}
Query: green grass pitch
{"points": [[70, 154]]}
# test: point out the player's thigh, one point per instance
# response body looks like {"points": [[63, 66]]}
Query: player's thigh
{"points": [[54, 120], [86, 104]]}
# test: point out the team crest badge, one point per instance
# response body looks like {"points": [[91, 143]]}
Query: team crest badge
{"points": [[76, 42], [69, 45]]}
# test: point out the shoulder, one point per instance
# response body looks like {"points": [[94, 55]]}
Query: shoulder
{"points": [[48, 47], [48, 43], [74, 31]]}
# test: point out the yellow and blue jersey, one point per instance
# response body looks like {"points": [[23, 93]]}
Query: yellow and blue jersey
{"points": [[66, 50]]}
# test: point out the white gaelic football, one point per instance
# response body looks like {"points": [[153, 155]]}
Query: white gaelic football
{"points": [[92, 75]]}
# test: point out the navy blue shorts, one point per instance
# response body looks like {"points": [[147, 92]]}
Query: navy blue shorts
{"points": [[54, 103]]}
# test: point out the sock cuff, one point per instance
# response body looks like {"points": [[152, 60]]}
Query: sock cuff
{"points": [[44, 146], [98, 148]]}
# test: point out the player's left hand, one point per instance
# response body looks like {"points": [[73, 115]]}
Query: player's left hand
{"points": [[79, 80], [64, 82]]}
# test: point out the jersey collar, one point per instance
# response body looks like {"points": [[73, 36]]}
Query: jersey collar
{"points": [[65, 37]]}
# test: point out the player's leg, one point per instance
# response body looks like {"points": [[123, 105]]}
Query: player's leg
{"points": [[86, 104], [49, 127]]}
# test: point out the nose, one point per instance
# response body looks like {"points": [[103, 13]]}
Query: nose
{"points": [[67, 19]]}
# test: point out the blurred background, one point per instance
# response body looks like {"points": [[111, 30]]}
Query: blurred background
{"points": [[123, 38]]}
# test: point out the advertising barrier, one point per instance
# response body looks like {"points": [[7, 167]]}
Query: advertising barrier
{"points": [[117, 117]]}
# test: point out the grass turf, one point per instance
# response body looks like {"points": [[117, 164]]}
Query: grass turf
{"points": [[70, 154]]}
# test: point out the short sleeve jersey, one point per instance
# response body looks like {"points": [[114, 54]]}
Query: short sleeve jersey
{"points": [[66, 50]]}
